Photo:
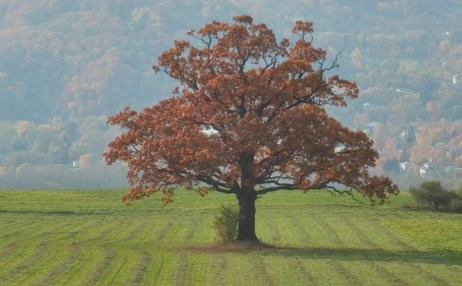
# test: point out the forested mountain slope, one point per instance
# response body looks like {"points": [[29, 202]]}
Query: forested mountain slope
{"points": [[65, 65]]}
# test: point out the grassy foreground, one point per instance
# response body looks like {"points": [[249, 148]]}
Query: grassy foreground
{"points": [[91, 238]]}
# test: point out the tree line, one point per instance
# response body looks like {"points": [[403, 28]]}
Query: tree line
{"points": [[79, 61]]}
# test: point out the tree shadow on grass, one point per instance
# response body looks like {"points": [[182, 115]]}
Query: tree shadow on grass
{"points": [[446, 257]]}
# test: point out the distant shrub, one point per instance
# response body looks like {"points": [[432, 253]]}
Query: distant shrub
{"points": [[432, 194], [456, 204], [226, 221]]}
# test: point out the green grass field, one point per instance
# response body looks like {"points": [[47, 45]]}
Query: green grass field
{"points": [[91, 238]]}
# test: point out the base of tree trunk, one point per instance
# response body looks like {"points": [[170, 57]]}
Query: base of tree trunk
{"points": [[237, 245], [248, 239], [232, 246]]}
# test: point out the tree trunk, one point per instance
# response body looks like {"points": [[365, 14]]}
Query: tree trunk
{"points": [[246, 228]]}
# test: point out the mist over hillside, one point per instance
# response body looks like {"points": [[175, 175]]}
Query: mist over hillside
{"points": [[67, 65]]}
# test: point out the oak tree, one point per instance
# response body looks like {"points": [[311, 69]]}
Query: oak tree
{"points": [[247, 119]]}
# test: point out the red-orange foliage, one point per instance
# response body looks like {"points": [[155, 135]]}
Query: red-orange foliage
{"points": [[247, 119]]}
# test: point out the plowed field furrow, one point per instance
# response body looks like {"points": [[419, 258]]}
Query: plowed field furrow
{"points": [[162, 230], [382, 233], [103, 263], [193, 226], [241, 271], [408, 275], [204, 232], [61, 230], [117, 232], [119, 273], [7, 250], [383, 271], [140, 272], [25, 266], [216, 270], [424, 273], [134, 230], [86, 259], [304, 236], [11, 229], [333, 237], [363, 237], [287, 234], [432, 275], [197, 269], [47, 230], [282, 270], [14, 258], [60, 267], [177, 232], [347, 276], [260, 268], [42, 266], [321, 272], [350, 236], [149, 231], [379, 268], [269, 231], [102, 232], [344, 272], [363, 234], [179, 275], [317, 232], [161, 269], [75, 230], [27, 227], [370, 272], [302, 273], [450, 269], [452, 274]]}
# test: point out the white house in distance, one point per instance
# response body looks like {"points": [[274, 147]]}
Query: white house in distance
{"points": [[404, 166], [455, 78], [75, 164]]}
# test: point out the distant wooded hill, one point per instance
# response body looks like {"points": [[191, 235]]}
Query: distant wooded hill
{"points": [[66, 65]]}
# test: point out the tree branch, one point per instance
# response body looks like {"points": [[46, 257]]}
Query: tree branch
{"points": [[334, 191], [286, 187], [220, 187]]}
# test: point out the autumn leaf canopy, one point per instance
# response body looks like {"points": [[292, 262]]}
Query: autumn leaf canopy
{"points": [[248, 111]]}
